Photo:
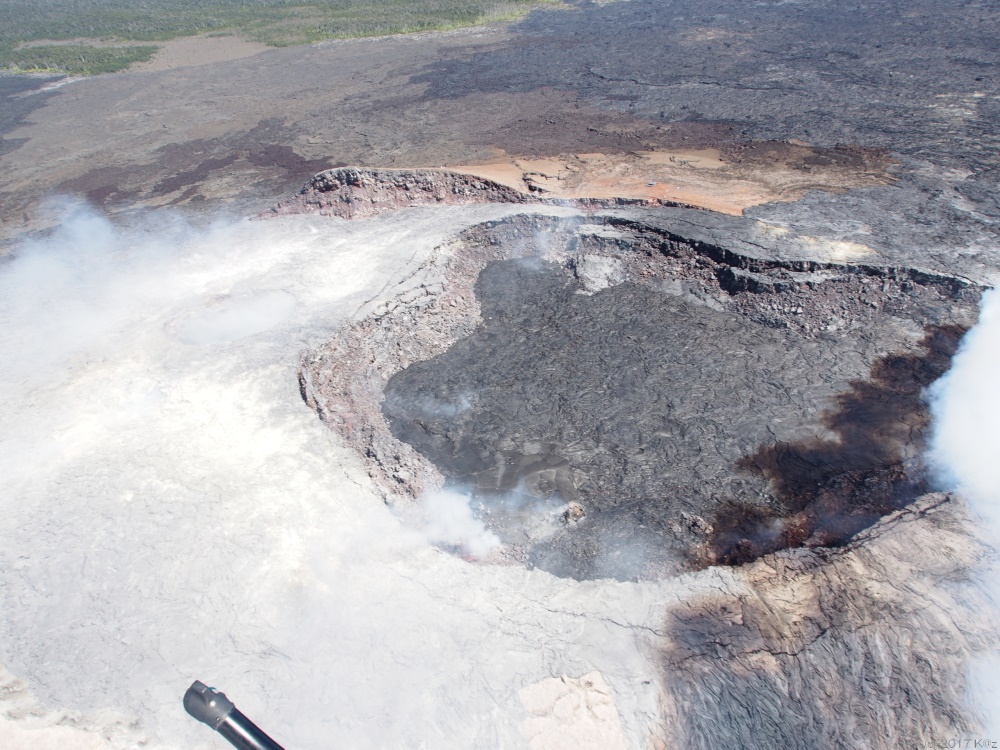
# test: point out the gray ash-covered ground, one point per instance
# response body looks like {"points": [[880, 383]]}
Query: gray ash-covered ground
{"points": [[699, 406]]}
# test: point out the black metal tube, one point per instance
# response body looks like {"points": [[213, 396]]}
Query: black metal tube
{"points": [[244, 734], [211, 707]]}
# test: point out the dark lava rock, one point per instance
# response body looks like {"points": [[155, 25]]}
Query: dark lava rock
{"points": [[686, 435], [20, 96]]}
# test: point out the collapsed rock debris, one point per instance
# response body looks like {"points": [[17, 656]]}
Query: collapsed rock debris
{"points": [[654, 382]]}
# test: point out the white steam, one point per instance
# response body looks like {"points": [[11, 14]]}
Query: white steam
{"points": [[965, 454], [234, 319], [985, 691], [449, 522], [170, 510], [965, 404]]}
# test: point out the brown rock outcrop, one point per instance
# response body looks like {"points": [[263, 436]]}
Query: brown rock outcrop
{"points": [[356, 193]]}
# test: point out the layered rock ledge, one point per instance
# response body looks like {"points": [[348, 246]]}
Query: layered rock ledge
{"points": [[353, 193]]}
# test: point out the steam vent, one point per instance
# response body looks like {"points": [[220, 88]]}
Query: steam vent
{"points": [[624, 402]]}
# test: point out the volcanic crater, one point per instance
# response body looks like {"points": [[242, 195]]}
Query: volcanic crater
{"points": [[622, 402]]}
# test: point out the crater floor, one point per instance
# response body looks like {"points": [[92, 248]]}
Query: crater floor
{"points": [[647, 410], [622, 403]]}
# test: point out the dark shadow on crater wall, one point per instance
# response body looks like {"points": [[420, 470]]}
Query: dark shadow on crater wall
{"points": [[832, 489]]}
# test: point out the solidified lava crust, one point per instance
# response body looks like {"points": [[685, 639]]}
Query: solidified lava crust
{"points": [[621, 402], [835, 488]]}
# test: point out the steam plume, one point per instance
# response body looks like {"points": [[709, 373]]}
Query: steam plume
{"points": [[965, 454]]}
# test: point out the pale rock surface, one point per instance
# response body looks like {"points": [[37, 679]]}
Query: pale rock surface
{"points": [[572, 714], [26, 725], [597, 272]]}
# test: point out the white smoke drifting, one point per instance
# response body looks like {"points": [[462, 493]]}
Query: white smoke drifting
{"points": [[170, 510], [233, 319], [965, 404], [965, 453], [449, 522]]}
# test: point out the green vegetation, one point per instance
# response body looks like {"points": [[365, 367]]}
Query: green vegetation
{"points": [[75, 59], [274, 22]]}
